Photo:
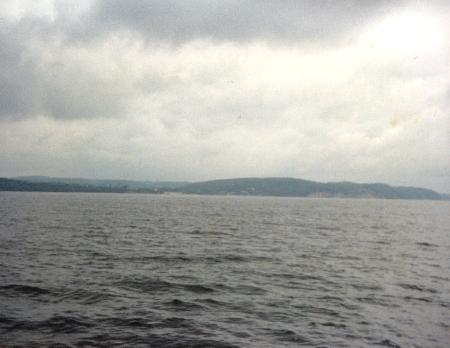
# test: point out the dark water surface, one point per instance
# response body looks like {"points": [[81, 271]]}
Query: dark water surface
{"points": [[84, 270]]}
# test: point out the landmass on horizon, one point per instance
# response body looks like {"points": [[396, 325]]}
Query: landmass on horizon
{"points": [[277, 186]]}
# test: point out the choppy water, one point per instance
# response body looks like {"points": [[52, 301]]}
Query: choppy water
{"points": [[194, 271]]}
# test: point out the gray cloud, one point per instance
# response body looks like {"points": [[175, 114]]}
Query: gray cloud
{"points": [[41, 72], [40, 75], [325, 90], [17, 74], [233, 20]]}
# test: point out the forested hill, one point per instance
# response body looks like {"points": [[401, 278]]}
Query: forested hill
{"points": [[289, 187], [284, 187], [107, 183], [22, 185]]}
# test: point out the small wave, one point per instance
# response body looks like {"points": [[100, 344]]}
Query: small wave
{"points": [[333, 324], [160, 258], [328, 228], [244, 289], [55, 324], [180, 305], [421, 299], [84, 296], [200, 344], [382, 242], [207, 232], [328, 324], [288, 336], [147, 285], [271, 223], [371, 287], [53, 227], [129, 322], [124, 339], [211, 302], [340, 301], [444, 304], [348, 257], [149, 340], [157, 285], [19, 289], [197, 288], [377, 301], [426, 244], [296, 276], [330, 298], [318, 310], [388, 343], [175, 323], [199, 259], [6, 321], [378, 227], [416, 288]]}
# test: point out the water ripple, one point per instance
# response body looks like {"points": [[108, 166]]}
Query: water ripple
{"points": [[92, 270]]}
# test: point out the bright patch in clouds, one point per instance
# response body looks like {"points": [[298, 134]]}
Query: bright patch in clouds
{"points": [[409, 33]]}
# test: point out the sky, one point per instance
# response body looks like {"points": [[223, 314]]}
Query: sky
{"points": [[210, 89]]}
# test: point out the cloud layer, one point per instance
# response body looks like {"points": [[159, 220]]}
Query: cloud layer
{"points": [[193, 90]]}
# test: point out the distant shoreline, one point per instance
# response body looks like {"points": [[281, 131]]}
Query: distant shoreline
{"points": [[270, 187]]}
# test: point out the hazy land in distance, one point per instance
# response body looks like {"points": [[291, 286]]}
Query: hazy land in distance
{"points": [[281, 187]]}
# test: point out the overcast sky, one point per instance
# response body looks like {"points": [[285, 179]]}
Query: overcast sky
{"points": [[208, 89]]}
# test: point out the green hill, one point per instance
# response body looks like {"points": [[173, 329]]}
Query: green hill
{"points": [[22, 185], [289, 187], [107, 183], [283, 187]]}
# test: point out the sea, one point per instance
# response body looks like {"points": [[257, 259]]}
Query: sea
{"points": [[162, 270]]}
